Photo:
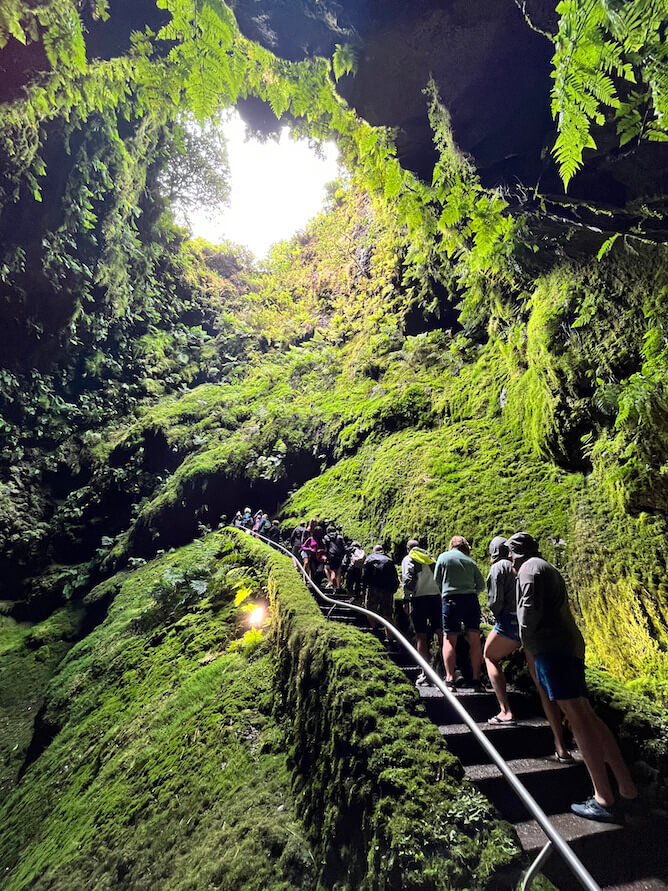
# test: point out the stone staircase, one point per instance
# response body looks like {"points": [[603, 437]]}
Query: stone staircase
{"points": [[633, 857]]}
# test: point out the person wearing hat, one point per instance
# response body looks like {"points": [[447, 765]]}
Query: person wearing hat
{"points": [[505, 639], [422, 600], [548, 631]]}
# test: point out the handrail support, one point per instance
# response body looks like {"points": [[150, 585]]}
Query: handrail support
{"points": [[536, 866]]}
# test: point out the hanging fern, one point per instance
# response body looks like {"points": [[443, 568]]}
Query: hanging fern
{"points": [[602, 48]]}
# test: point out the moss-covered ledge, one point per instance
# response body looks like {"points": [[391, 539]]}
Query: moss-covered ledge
{"points": [[386, 804]]}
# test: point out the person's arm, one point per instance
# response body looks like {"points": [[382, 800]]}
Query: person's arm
{"points": [[494, 592], [438, 574], [478, 580], [409, 578], [396, 578], [528, 608]]}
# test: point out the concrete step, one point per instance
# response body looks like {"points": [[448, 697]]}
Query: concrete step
{"points": [[554, 786], [530, 738], [480, 706], [633, 857]]}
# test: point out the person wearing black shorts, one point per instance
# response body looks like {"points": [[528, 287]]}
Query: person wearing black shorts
{"points": [[460, 581], [422, 600], [548, 631]]}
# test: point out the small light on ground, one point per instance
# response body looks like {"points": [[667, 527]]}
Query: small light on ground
{"points": [[256, 617]]}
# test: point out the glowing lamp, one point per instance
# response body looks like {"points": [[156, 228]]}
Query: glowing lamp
{"points": [[256, 616]]}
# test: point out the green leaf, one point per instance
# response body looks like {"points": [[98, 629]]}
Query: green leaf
{"points": [[344, 60], [607, 244]]}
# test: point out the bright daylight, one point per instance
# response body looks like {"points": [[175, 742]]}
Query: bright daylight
{"points": [[276, 188]]}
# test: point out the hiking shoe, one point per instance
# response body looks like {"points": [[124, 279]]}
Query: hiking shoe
{"points": [[421, 679], [592, 810], [477, 686]]}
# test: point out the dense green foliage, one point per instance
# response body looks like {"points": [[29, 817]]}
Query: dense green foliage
{"points": [[608, 55], [163, 745]]}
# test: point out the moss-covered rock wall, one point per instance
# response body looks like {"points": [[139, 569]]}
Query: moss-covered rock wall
{"points": [[176, 747]]}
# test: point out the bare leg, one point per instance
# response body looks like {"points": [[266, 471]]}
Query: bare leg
{"points": [[475, 652], [599, 748], [422, 645], [449, 656], [439, 640], [497, 648], [551, 709]]}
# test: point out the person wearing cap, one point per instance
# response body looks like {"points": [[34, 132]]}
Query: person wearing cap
{"points": [[504, 638], [459, 581], [422, 600], [548, 631]]}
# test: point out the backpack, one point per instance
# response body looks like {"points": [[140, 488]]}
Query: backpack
{"points": [[357, 558], [381, 572], [336, 546]]}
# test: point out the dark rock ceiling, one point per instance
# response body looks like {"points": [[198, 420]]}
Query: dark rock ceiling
{"points": [[493, 74]]}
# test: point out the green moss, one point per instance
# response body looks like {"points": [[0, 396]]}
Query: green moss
{"points": [[29, 655], [166, 768], [474, 478], [622, 593]]}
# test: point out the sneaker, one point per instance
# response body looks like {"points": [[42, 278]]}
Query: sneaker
{"points": [[451, 686], [421, 679], [477, 686], [592, 810]]}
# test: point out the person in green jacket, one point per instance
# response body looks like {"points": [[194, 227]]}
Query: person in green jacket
{"points": [[460, 581]]}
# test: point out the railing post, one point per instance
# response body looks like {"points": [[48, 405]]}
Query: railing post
{"points": [[536, 866]]}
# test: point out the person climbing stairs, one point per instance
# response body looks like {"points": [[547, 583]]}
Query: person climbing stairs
{"points": [[629, 857]]}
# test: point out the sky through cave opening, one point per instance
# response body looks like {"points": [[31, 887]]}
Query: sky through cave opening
{"points": [[276, 187]]}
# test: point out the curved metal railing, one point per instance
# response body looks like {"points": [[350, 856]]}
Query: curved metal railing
{"points": [[555, 840]]}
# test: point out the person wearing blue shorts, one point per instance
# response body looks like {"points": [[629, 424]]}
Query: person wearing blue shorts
{"points": [[459, 581], [549, 633], [505, 639], [505, 636]]}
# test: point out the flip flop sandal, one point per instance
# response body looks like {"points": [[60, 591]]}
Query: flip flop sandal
{"points": [[564, 759], [499, 722]]}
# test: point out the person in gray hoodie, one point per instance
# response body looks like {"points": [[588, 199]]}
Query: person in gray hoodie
{"points": [[549, 632], [504, 639]]}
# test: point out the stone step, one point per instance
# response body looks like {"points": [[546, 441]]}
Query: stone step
{"points": [[555, 786], [529, 738], [641, 884], [480, 706], [633, 857]]}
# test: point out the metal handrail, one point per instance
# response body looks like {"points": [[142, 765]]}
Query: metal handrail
{"points": [[556, 840]]}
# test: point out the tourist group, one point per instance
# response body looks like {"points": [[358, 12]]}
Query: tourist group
{"points": [[528, 600]]}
